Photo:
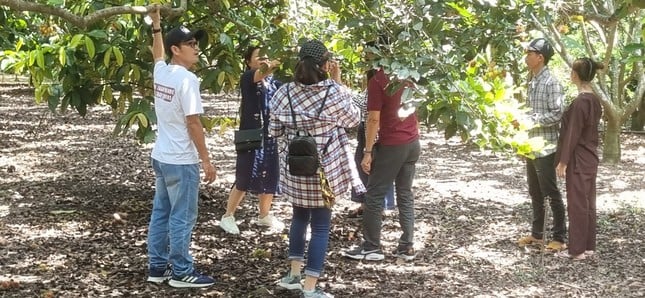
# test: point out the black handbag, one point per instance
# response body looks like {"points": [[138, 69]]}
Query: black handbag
{"points": [[248, 139]]}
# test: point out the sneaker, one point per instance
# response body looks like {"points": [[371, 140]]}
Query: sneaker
{"points": [[529, 240], [193, 280], [316, 293], [356, 213], [228, 224], [159, 275], [271, 222], [359, 253], [291, 282], [405, 254]]}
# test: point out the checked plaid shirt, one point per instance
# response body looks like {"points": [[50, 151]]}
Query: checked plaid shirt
{"points": [[545, 98], [328, 130]]}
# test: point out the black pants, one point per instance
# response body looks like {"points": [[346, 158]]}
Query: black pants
{"points": [[540, 173]]}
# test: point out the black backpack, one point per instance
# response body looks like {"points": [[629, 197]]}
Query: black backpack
{"points": [[302, 156]]}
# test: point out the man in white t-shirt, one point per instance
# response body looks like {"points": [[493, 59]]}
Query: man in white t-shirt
{"points": [[176, 157]]}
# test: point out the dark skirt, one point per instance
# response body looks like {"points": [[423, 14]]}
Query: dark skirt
{"points": [[258, 171]]}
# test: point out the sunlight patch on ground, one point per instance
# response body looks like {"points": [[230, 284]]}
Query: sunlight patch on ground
{"points": [[72, 229], [614, 201], [20, 278], [499, 259], [4, 210], [476, 189]]}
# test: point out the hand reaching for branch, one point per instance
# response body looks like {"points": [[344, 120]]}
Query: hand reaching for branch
{"points": [[155, 16]]}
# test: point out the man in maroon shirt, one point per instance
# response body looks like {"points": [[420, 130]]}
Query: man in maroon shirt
{"points": [[392, 159]]}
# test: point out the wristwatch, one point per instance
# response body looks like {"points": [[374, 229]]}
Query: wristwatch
{"points": [[157, 30]]}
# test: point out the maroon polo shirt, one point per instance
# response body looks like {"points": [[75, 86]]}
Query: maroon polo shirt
{"points": [[392, 130]]}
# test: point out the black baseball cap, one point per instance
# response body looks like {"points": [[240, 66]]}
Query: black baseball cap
{"points": [[181, 34], [541, 46], [314, 49]]}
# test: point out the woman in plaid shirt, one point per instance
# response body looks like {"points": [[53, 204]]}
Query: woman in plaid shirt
{"points": [[306, 94]]}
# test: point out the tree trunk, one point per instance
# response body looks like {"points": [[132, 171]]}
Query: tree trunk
{"points": [[611, 151], [638, 118]]}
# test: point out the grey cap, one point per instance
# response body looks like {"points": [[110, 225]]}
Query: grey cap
{"points": [[314, 49]]}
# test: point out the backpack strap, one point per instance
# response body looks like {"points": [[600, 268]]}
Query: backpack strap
{"points": [[324, 100], [293, 115]]}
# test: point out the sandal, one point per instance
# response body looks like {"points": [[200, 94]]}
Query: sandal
{"points": [[555, 246], [529, 240]]}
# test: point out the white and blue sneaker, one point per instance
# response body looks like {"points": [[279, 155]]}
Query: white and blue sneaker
{"points": [[193, 280], [159, 275]]}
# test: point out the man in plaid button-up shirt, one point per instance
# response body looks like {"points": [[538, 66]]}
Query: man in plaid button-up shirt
{"points": [[545, 100]]}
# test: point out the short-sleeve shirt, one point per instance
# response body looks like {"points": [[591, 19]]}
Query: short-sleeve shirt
{"points": [[177, 95], [255, 97], [392, 130]]}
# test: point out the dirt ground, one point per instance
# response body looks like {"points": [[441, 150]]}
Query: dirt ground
{"points": [[75, 203]]}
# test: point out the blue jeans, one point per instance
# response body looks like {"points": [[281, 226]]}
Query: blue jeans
{"points": [[174, 213], [320, 219]]}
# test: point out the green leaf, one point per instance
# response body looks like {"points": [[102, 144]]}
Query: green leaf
{"points": [[225, 39], [118, 55], [220, 78], [98, 34], [107, 94], [32, 57], [632, 47], [75, 40], [40, 59], [89, 46], [106, 57], [62, 56], [143, 121]]}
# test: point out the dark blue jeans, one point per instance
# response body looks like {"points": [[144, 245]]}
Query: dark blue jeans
{"points": [[320, 219], [358, 157]]}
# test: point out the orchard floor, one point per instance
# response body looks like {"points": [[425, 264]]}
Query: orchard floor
{"points": [[75, 203]]}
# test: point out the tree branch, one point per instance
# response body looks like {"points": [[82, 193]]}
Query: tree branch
{"points": [[85, 21], [604, 20]]}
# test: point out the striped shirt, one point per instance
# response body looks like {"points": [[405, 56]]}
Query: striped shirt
{"points": [[328, 130], [545, 98], [360, 100]]}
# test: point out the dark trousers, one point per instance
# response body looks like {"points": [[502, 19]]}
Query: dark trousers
{"points": [[390, 164], [540, 173], [358, 158], [581, 206]]}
